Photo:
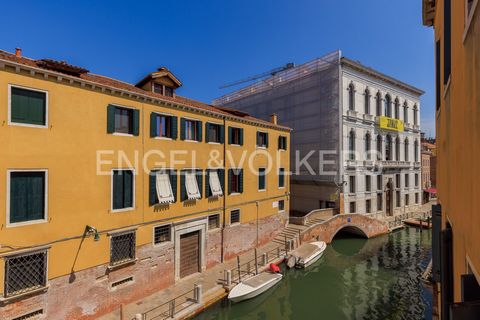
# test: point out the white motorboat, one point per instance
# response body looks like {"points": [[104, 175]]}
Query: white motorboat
{"points": [[254, 286], [308, 253]]}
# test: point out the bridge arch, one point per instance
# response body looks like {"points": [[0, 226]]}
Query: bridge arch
{"points": [[351, 229]]}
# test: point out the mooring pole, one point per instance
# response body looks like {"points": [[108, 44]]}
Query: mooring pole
{"points": [[256, 262], [239, 273]]}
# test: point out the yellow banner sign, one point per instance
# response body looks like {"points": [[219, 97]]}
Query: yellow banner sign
{"points": [[391, 124]]}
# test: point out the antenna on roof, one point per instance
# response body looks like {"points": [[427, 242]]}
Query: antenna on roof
{"points": [[272, 72]]}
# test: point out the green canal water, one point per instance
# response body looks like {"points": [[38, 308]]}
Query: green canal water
{"points": [[356, 278]]}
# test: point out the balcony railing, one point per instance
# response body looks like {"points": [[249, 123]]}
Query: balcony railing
{"points": [[395, 164]]}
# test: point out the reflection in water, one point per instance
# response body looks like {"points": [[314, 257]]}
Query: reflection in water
{"points": [[355, 279]]}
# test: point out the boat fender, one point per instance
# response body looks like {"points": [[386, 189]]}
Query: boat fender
{"points": [[291, 261], [274, 268]]}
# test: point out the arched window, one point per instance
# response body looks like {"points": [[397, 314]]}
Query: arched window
{"points": [[388, 148], [397, 149], [406, 149], [415, 115], [351, 145], [397, 108], [379, 148], [367, 101], [379, 103], [415, 150], [368, 145], [405, 112], [351, 96], [388, 106]]}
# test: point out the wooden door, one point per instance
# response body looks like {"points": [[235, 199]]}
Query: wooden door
{"points": [[189, 253]]}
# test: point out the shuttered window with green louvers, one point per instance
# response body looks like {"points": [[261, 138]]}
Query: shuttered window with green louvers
{"points": [[27, 196], [235, 181], [28, 107], [164, 126], [235, 136], [123, 120], [152, 197], [122, 189]]}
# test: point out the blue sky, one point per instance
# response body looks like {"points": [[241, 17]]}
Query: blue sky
{"points": [[210, 43]]}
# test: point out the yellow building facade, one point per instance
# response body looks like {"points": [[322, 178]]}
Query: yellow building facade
{"points": [[456, 236], [113, 191]]}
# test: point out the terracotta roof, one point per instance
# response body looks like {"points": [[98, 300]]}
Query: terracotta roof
{"points": [[102, 80]]}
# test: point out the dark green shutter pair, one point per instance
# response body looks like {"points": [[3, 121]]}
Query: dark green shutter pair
{"points": [[207, 135], [122, 189], [111, 120], [230, 135], [183, 186], [259, 134], [198, 129], [282, 143], [27, 196], [153, 126], [221, 178], [28, 106], [199, 175], [230, 177], [153, 198]]}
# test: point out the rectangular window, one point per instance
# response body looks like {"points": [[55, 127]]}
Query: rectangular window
{"points": [[262, 185], [168, 91], [213, 221], [352, 207], [368, 205], [191, 185], [190, 130], [163, 186], [28, 106], [398, 199], [379, 182], [162, 234], [351, 184], [437, 74], [281, 205], [214, 133], [163, 126], [122, 189], [235, 216], [416, 198], [262, 139], [235, 136], [235, 181], [123, 120], [407, 180], [398, 183], [122, 248], [25, 273], [215, 183], [281, 177], [407, 200], [379, 202], [282, 143], [368, 183], [447, 43], [416, 179], [27, 196]]}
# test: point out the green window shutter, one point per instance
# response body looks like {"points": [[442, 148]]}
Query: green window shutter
{"points": [[241, 136], [153, 124], [281, 177], [258, 138], [110, 119], [266, 140], [18, 198], [117, 190], [173, 182], [230, 135], [199, 174], [221, 177], [182, 129], [207, 128], [183, 188], [208, 191], [152, 199], [37, 194], [222, 134], [174, 132], [241, 181], [280, 142], [230, 175], [128, 188], [199, 131], [28, 106], [136, 122]]}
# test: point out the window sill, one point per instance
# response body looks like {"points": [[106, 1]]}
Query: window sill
{"points": [[262, 190], [213, 230], [234, 194], [121, 265], [469, 21], [281, 211], [163, 244], [447, 87], [122, 210], [193, 141], [25, 223], [21, 295], [19, 124], [282, 150], [122, 134], [235, 145], [163, 138], [261, 147], [234, 224], [214, 143]]}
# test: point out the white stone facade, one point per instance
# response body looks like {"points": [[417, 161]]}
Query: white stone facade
{"points": [[399, 172]]}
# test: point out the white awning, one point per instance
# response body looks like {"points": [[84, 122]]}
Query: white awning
{"points": [[215, 184], [164, 188], [191, 186]]}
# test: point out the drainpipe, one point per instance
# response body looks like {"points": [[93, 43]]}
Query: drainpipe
{"points": [[257, 203], [224, 192]]}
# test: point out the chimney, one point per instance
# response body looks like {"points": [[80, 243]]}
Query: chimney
{"points": [[18, 52], [274, 118]]}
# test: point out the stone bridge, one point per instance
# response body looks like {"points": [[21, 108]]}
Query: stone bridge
{"points": [[326, 227]]}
